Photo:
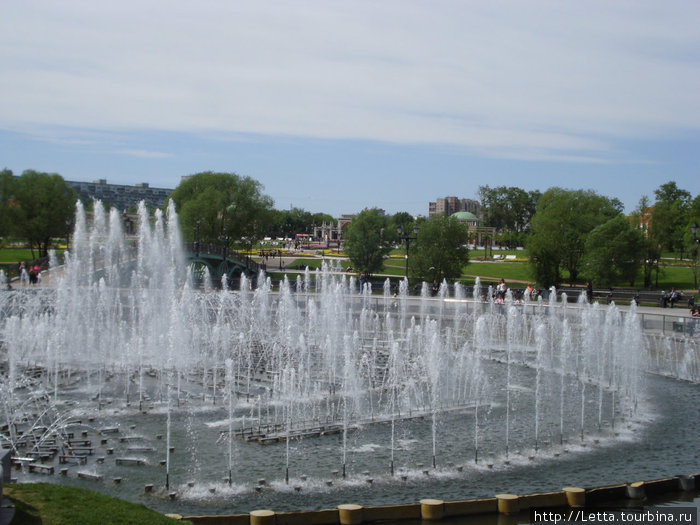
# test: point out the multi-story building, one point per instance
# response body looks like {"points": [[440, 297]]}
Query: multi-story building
{"points": [[120, 196], [450, 205]]}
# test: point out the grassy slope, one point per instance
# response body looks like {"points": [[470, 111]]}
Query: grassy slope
{"points": [[51, 504]]}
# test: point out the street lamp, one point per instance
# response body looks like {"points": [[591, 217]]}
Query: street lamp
{"points": [[196, 236], [694, 230], [224, 236], [407, 239]]}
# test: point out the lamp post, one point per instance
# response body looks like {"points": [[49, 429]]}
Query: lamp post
{"points": [[196, 236], [694, 230], [407, 239]]}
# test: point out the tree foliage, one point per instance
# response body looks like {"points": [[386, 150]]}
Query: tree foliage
{"points": [[403, 219], [43, 208], [650, 247], [614, 251], [287, 223], [440, 251], [559, 228], [670, 216], [222, 208], [367, 240], [6, 196], [509, 210]]}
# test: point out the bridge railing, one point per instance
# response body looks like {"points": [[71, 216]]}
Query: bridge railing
{"points": [[205, 248]]}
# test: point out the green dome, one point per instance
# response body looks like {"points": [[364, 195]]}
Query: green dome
{"points": [[464, 216]]}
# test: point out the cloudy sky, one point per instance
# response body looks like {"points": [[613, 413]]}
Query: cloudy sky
{"points": [[335, 106]]}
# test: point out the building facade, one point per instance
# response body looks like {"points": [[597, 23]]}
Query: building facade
{"points": [[120, 196], [451, 205], [332, 233]]}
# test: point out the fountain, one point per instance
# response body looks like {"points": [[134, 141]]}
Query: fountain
{"points": [[268, 395]]}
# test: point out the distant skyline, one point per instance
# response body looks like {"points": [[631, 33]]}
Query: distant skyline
{"points": [[337, 106]]}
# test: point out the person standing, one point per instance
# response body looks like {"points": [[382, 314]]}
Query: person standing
{"points": [[23, 275], [501, 290]]}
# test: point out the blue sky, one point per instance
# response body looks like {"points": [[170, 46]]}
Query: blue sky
{"points": [[336, 106]]}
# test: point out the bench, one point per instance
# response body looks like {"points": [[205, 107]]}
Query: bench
{"points": [[18, 461], [81, 460], [42, 455], [129, 461], [79, 443], [82, 451], [43, 469]]}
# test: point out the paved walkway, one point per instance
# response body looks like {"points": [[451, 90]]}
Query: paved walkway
{"points": [[273, 265]]}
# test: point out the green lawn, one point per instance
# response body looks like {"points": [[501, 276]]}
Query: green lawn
{"points": [[15, 255], [671, 275], [510, 271], [51, 504]]}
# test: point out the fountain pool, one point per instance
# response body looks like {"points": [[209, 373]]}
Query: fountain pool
{"points": [[123, 375]]}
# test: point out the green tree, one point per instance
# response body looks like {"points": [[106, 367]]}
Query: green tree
{"points": [[222, 208], [559, 228], [692, 240], [403, 219], [614, 251], [509, 210], [44, 208], [440, 250], [287, 223], [367, 240], [650, 247], [669, 220], [6, 196]]}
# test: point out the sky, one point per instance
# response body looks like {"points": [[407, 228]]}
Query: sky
{"points": [[335, 106]]}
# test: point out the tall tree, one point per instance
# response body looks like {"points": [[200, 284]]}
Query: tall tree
{"points": [[614, 251], [222, 208], [367, 240], [440, 250], [509, 210], [403, 219], [693, 239], [558, 231], [669, 220], [44, 208], [6, 195], [640, 219]]}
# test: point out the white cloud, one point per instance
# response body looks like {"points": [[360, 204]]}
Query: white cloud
{"points": [[510, 78]]}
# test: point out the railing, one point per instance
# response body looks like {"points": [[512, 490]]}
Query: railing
{"points": [[670, 324], [204, 249]]}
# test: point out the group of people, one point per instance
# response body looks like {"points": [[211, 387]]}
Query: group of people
{"points": [[31, 276], [671, 298]]}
